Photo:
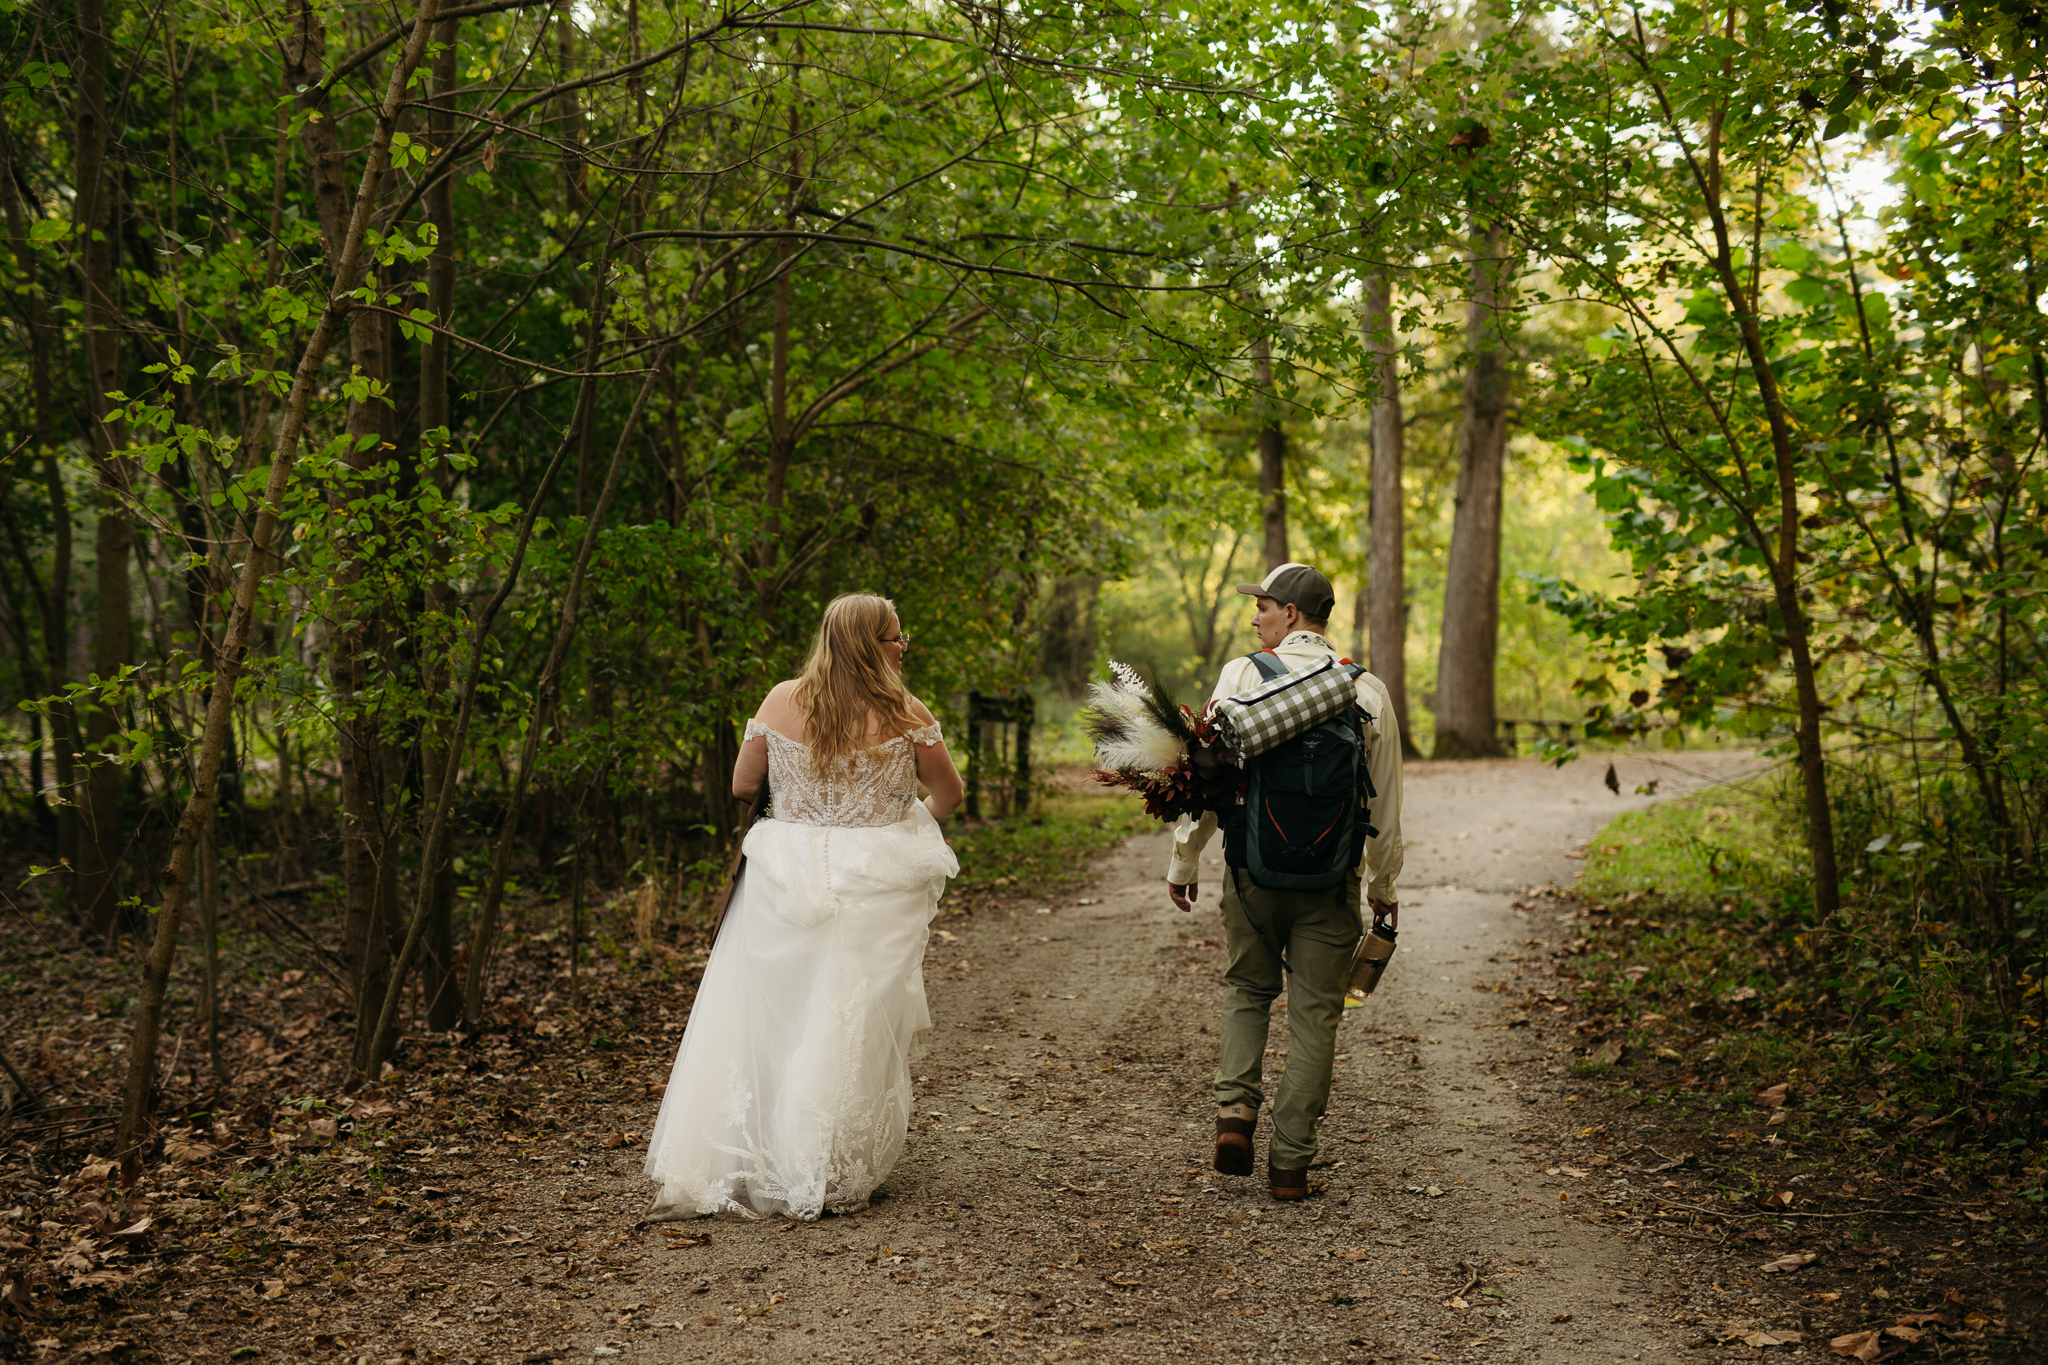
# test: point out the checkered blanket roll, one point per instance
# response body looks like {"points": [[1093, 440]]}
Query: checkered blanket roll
{"points": [[1280, 708]]}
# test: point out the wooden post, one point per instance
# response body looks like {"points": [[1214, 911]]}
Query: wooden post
{"points": [[1025, 710], [974, 755]]}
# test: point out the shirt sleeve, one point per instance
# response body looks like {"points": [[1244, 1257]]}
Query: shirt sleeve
{"points": [[1191, 836], [1383, 851]]}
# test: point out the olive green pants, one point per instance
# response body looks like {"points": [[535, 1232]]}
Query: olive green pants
{"points": [[1318, 932]]}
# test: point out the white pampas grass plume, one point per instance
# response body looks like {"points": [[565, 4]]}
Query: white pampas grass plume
{"points": [[1123, 719]]}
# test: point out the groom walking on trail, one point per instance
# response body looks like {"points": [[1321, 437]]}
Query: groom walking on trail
{"points": [[1302, 938]]}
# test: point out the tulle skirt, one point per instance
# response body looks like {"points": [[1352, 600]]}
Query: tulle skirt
{"points": [[791, 1090]]}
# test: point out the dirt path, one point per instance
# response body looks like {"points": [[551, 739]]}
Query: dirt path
{"points": [[1057, 1201]]}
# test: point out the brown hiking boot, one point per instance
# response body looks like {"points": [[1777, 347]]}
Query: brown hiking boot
{"points": [[1287, 1186], [1235, 1126]]}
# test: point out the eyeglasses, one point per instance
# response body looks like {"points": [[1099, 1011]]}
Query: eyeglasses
{"points": [[901, 637]]}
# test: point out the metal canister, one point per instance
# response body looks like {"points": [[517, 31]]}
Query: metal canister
{"points": [[1370, 962]]}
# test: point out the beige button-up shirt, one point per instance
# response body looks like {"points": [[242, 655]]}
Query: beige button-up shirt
{"points": [[1382, 760]]}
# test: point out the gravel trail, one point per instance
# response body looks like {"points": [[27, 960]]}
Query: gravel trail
{"points": [[1057, 1202]]}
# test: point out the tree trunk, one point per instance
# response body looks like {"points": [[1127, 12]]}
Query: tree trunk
{"points": [[1465, 718], [104, 830], [1783, 562], [484, 928], [439, 985], [1272, 443], [54, 602], [252, 556], [781, 445], [1386, 535], [1273, 492], [285, 818], [103, 833], [367, 895], [57, 652], [363, 947], [483, 939], [209, 930], [781, 437]]}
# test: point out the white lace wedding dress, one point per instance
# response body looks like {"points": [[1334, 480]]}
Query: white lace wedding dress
{"points": [[791, 1091]]}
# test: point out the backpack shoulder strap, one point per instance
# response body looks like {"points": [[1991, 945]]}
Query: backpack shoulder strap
{"points": [[1268, 663]]}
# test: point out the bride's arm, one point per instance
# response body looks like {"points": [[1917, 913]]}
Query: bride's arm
{"points": [[935, 771], [750, 769]]}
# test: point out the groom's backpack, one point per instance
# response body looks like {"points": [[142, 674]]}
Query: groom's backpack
{"points": [[1306, 813]]}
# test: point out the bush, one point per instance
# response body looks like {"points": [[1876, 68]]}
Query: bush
{"points": [[1916, 998]]}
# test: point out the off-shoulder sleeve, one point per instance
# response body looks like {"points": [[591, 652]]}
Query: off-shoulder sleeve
{"points": [[925, 734], [755, 728]]}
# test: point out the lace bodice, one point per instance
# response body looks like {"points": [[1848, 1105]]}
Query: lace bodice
{"points": [[873, 787]]}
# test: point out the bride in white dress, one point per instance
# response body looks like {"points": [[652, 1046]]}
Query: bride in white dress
{"points": [[791, 1091]]}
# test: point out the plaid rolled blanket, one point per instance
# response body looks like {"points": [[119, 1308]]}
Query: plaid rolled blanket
{"points": [[1278, 709]]}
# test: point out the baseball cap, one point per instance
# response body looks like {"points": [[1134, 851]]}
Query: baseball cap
{"points": [[1296, 585]]}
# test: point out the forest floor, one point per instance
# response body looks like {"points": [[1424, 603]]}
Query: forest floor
{"points": [[1501, 1181]]}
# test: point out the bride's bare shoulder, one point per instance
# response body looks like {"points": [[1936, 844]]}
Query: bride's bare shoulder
{"points": [[922, 712], [779, 706]]}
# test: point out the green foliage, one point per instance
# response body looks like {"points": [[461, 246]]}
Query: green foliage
{"points": [[1952, 1033], [986, 313], [1817, 452]]}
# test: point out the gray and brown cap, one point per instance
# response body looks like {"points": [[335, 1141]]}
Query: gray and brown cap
{"points": [[1296, 585]]}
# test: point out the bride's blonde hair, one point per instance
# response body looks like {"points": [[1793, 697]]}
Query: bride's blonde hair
{"points": [[848, 680]]}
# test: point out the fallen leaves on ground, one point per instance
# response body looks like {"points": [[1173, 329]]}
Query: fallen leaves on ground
{"points": [[1790, 1261], [1773, 1338]]}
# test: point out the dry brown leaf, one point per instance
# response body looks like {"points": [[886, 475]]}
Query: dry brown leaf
{"points": [[1771, 1096], [614, 1140], [1610, 1052], [1562, 1317], [1456, 1303], [1922, 1319], [1905, 1333], [1351, 1253], [1770, 1338], [273, 1289], [1858, 1345], [1781, 1199], [1790, 1261], [94, 1278]]}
